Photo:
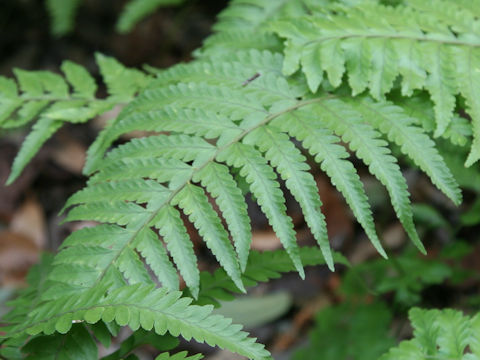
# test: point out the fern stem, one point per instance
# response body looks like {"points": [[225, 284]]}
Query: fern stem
{"points": [[437, 39]]}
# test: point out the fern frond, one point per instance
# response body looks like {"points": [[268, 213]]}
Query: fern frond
{"points": [[446, 333], [136, 10], [146, 307], [46, 96], [378, 43], [211, 126]]}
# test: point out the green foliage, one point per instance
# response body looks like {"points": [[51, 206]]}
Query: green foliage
{"points": [[136, 10], [140, 306], [138, 338], [62, 15], [349, 332], [432, 45], [50, 100], [261, 267], [405, 275], [243, 107], [178, 356], [445, 334], [78, 341]]}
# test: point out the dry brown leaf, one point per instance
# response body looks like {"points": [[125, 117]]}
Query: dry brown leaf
{"points": [[29, 221], [265, 240], [70, 155], [17, 253]]}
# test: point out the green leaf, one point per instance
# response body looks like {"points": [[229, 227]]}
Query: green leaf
{"points": [[178, 356], [266, 189], [349, 331], [130, 304], [78, 341], [291, 166], [136, 10], [82, 82], [122, 83], [41, 131], [62, 14], [218, 181], [321, 143], [193, 201]]}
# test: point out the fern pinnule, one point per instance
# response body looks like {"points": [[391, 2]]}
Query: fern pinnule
{"points": [[160, 169], [218, 181], [369, 147], [170, 226], [137, 190], [157, 258], [132, 267], [136, 10], [192, 200], [62, 15], [399, 128], [114, 212], [41, 130], [290, 164], [266, 189], [183, 355]]}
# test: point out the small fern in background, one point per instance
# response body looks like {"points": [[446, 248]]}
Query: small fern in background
{"points": [[49, 100], [275, 83], [349, 331], [445, 334]]}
